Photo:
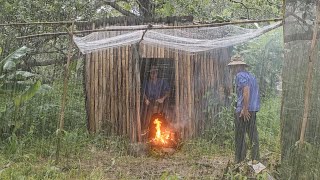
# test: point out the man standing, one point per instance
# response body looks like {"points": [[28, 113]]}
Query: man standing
{"points": [[248, 103], [155, 92]]}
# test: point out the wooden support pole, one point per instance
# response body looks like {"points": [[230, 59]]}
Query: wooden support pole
{"points": [[190, 110], [96, 90], [42, 23], [104, 92], [64, 96], [308, 84], [87, 87], [112, 90], [127, 89], [177, 100], [123, 91], [137, 78], [100, 93]]}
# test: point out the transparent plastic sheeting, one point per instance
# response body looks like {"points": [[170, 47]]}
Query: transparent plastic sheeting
{"points": [[188, 39]]}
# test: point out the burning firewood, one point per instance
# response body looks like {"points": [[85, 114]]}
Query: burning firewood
{"points": [[161, 133]]}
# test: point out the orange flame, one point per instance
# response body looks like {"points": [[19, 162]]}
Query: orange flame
{"points": [[161, 137]]}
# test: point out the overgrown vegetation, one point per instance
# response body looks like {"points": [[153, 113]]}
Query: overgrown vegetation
{"points": [[31, 88], [264, 56]]}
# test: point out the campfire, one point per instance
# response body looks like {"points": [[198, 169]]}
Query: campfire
{"points": [[161, 133]]}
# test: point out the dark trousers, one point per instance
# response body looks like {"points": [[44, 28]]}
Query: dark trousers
{"points": [[241, 128]]}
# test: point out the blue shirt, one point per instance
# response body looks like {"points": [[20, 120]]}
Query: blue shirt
{"points": [[244, 78], [157, 90]]}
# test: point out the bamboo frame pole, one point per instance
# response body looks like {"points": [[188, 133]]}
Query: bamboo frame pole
{"points": [[64, 96], [181, 103], [93, 89], [126, 28], [41, 23], [201, 98], [190, 110], [133, 94], [160, 19], [123, 91], [100, 93], [87, 87], [92, 92], [137, 95], [117, 90], [112, 92], [309, 76], [127, 89], [96, 90], [107, 90], [104, 89]]}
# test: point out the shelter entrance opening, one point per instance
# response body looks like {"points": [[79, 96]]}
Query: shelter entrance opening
{"points": [[157, 88]]}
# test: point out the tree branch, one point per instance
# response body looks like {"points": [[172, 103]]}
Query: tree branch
{"points": [[33, 62], [298, 18], [47, 62], [245, 6], [144, 10], [115, 6], [273, 4]]}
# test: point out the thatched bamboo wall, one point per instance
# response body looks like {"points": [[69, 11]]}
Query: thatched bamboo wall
{"points": [[113, 87]]}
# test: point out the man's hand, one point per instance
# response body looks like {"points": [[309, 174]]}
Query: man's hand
{"points": [[147, 101], [245, 114], [160, 100]]}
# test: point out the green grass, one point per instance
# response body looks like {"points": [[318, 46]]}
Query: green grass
{"points": [[268, 123], [29, 153], [33, 158]]}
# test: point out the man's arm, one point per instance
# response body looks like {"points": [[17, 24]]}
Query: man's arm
{"points": [[245, 109], [246, 92], [145, 99], [166, 95]]}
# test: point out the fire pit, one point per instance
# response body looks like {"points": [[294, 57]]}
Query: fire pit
{"points": [[162, 134], [162, 138]]}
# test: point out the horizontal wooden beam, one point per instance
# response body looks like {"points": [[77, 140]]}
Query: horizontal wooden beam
{"points": [[111, 21], [128, 28], [42, 23]]}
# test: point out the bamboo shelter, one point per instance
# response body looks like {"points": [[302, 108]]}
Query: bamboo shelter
{"points": [[193, 61]]}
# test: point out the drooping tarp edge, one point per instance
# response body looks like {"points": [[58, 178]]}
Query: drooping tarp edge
{"points": [[211, 38]]}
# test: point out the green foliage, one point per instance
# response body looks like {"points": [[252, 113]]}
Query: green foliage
{"points": [[29, 109], [241, 176], [17, 87], [265, 57], [221, 10], [199, 147], [268, 123], [28, 94], [166, 176], [9, 63], [13, 80], [219, 127], [30, 157], [303, 162]]}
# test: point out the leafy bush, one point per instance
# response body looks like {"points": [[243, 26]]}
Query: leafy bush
{"points": [[268, 123], [220, 126], [265, 57]]}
